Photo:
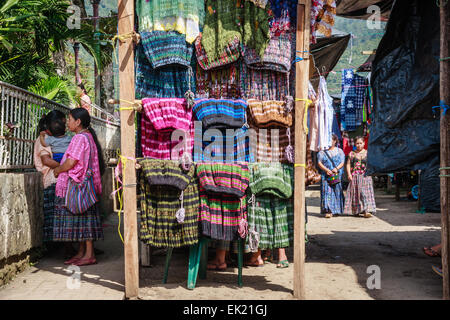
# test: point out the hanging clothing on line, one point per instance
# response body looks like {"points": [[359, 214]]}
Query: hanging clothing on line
{"points": [[169, 201], [225, 20], [223, 145], [352, 100], [325, 115], [159, 120], [323, 14], [270, 113], [183, 16], [270, 144], [223, 206], [270, 208], [169, 81]]}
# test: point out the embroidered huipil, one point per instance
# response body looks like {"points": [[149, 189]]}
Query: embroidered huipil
{"points": [[80, 149]]}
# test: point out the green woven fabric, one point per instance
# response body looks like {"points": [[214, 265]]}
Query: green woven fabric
{"points": [[274, 179], [227, 19], [166, 172], [273, 220], [159, 204], [157, 10]]}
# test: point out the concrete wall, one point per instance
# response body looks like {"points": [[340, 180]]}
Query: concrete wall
{"points": [[21, 216]]}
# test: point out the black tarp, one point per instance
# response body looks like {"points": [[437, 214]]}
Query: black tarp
{"points": [[327, 52], [357, 9], [404, 134]]}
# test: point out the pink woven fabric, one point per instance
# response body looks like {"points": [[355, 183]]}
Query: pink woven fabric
{"points": [[158, 145], [79, 149], [168, 113]]}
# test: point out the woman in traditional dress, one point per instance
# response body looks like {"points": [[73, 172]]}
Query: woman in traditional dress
{"points": [[360, 198], [331, 163], [84, 152]]}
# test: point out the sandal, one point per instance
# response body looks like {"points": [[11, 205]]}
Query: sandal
{"points": [[328, 215], [71, 261], [429, 251], [85, 262], [216, 267], [254, 264], [283, 264], [437, 270]]}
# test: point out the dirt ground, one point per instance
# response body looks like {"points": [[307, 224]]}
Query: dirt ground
{"points": [[337, 256]]}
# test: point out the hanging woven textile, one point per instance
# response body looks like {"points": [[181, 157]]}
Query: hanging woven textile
{"points": [[169, 81], [169, 201], [270, 210], [270, 113], [160, 118], [271, 144], [183, 16], [227, 19], [223, 145], [223, 206], [352, 99], [323, 14]]}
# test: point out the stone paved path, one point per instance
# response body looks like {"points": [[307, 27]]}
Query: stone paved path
{"points": [[50, 279]]}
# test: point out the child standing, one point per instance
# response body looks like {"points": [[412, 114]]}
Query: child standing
{"points": [[55, 137]]}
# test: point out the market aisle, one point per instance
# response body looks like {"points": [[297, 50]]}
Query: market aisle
{"points": [[338, 254], [341, 249], [48, 279]]}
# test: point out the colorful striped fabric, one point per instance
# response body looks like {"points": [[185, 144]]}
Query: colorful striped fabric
{"points": [[161, 145], [231, 53], [166, 173], [219, 83], [220, 215], [264, 84], [223, 145], [270, 143], [168, 113], [274, 179], [277, 56], [269, 112], [220, 112], [159, 226], [166, 82], [70, 227], [273, 219], [164, 48], [229, 178]]}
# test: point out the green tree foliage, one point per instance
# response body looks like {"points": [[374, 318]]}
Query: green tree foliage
{"points": [[30, 31]]}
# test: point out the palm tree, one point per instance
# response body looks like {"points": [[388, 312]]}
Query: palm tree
{"points": [[40, 29]]}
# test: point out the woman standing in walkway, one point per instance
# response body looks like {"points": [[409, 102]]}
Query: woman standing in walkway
{"points": [[83, 152], [44, 163], [360, 198], [331, 162]]}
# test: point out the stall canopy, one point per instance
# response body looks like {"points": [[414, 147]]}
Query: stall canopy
{"points": [[405, 81], [327, 52], [357, 9]]}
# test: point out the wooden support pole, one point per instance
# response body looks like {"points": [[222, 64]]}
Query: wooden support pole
{"points": [[127, 133], [445, 145], [301, 92]]}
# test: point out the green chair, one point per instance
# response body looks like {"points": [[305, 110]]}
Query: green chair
{"points": [[198, 259]]}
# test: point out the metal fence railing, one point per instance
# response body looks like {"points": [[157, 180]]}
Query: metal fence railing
{"points": [[20, 111]]}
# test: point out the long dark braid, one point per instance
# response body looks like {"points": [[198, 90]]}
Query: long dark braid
{"points": [[83, 115]]}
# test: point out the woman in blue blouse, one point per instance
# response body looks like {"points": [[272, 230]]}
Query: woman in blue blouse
{"points": [[331, 162]]}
